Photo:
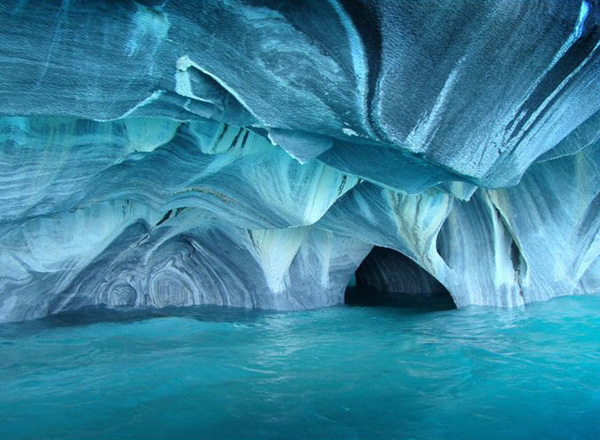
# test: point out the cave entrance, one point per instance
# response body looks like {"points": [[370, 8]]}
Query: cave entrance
{"points": [[389, 278]]}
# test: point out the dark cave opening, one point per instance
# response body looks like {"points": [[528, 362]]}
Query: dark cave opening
{"points": [[389, 278]]}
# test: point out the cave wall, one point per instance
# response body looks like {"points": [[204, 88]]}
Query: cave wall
{"points": [[251, 153]]}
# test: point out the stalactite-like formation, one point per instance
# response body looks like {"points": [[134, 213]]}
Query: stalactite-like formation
{"points": [[251, 153]]}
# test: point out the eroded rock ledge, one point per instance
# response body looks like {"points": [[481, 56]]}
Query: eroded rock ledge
{"points": [[251, 153]]}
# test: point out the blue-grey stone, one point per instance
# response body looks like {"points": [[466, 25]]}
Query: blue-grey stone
{"points": [[252, 152]]}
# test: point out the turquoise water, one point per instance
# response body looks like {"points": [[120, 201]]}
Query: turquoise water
{"points": [[339, 373]]}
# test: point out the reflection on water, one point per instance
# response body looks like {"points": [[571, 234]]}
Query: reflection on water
{"points": [[344, 372]]}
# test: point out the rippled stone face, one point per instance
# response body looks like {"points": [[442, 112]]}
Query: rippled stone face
{"points": [[252, 153]]}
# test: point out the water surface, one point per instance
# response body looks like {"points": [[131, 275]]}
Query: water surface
{"points": [[339, 373]]}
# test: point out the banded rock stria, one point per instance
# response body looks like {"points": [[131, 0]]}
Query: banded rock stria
{"points": [[252, 152]]}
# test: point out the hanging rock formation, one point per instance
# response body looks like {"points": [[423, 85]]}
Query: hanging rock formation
{"points": [[251, 152]]}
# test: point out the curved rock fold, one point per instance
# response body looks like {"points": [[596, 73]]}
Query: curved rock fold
{"points": [[252, 153]]}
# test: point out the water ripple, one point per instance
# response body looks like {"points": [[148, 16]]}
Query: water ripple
{"points": [[344, 372]]}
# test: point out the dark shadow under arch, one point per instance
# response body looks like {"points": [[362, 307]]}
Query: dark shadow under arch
{"points": [[389, 278]]}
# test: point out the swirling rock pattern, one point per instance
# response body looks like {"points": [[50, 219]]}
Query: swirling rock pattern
{"points": [[252, 152]]}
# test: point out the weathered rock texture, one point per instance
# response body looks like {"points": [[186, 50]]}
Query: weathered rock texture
{"points": [[252, 152]]}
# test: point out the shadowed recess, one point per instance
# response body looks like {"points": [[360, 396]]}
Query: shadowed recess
{"points": [[389, 278]]}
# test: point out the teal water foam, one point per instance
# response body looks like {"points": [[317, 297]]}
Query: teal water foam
{"points": [[345, 372]]}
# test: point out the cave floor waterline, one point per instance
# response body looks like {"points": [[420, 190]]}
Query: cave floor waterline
{"points": [[339, 372]]}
